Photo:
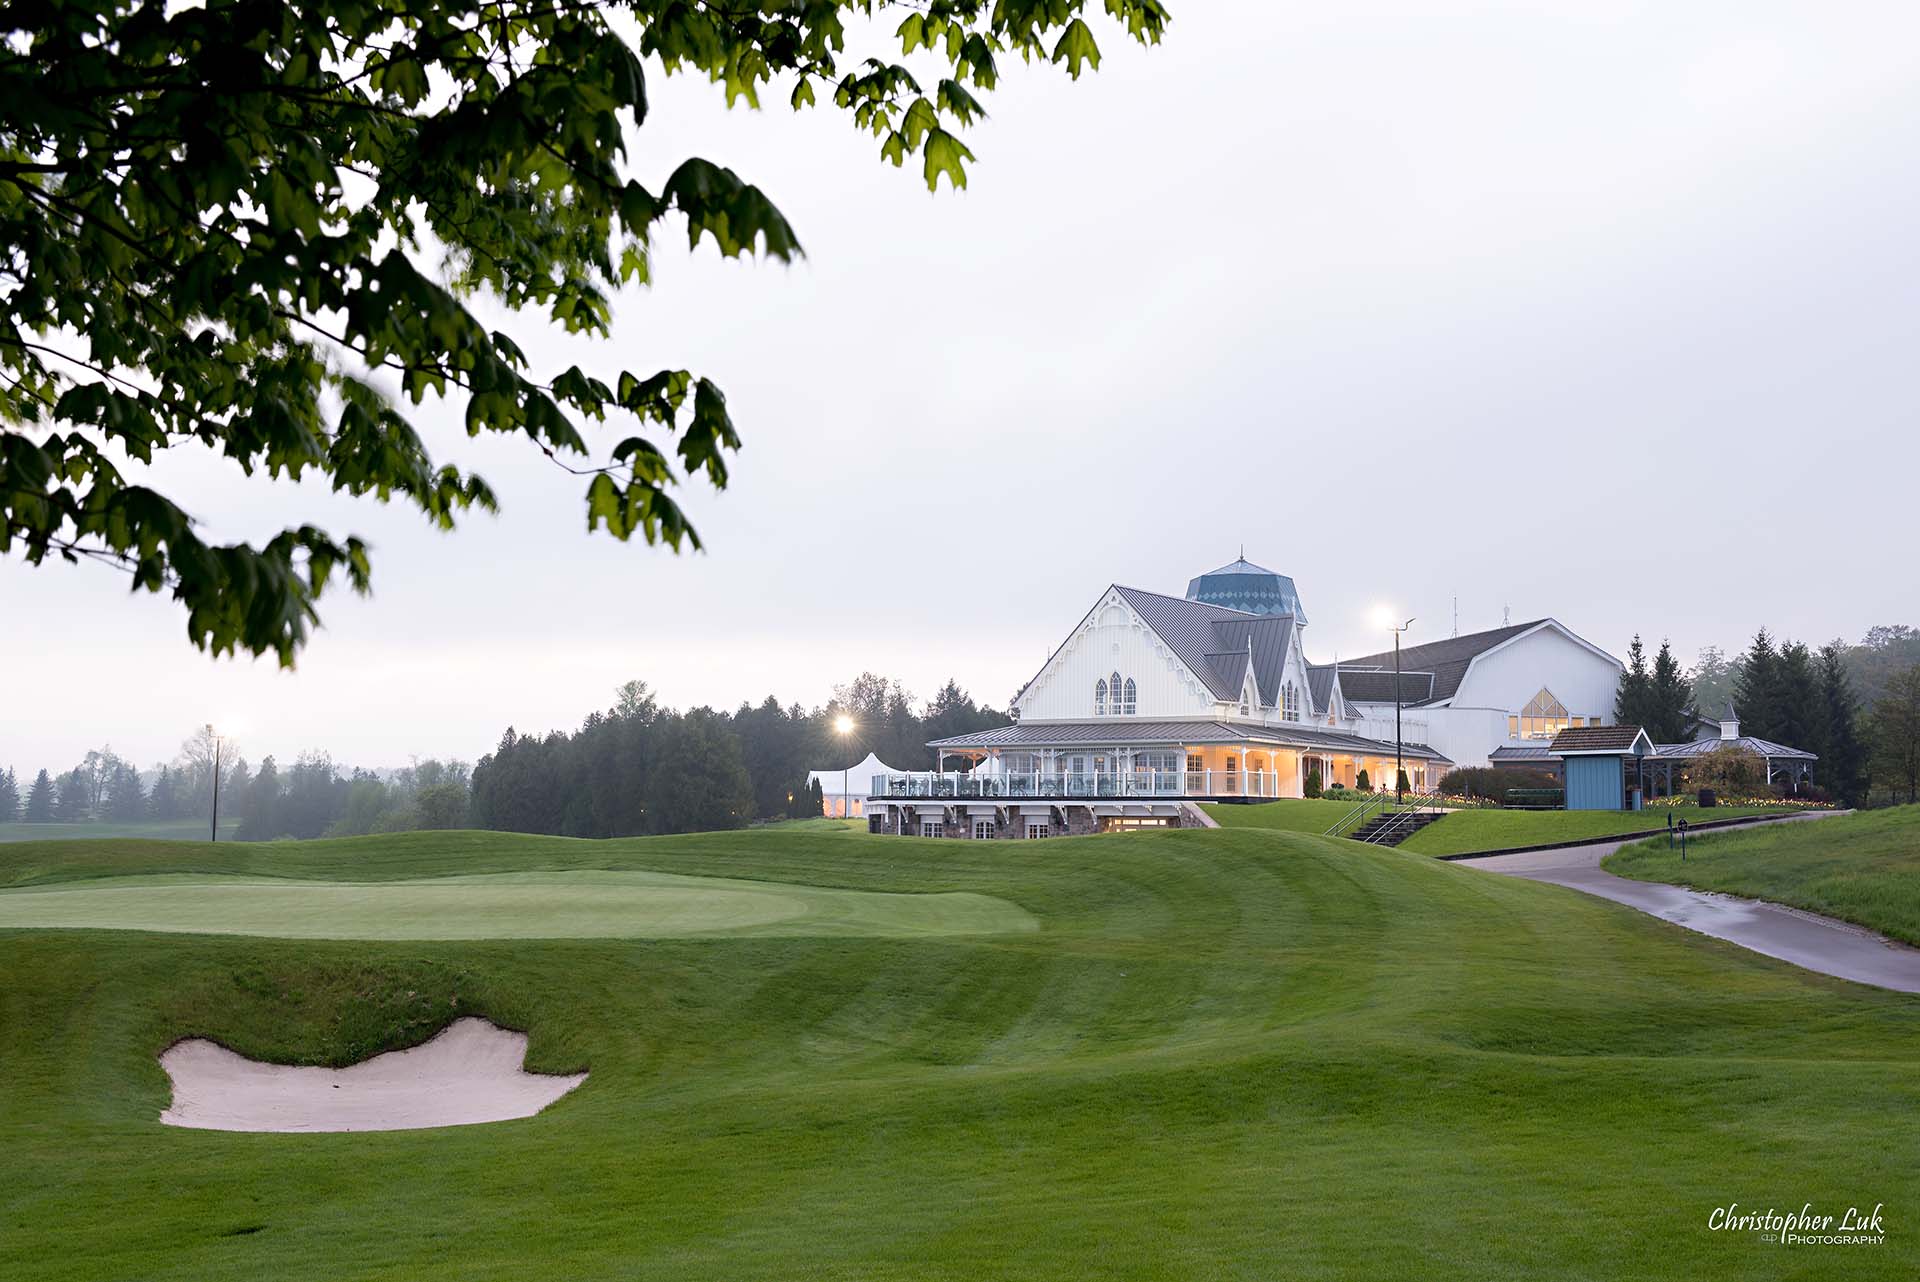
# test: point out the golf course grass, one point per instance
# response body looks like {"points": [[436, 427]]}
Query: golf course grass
{"points": [[1862, 868], [1467, 831], [1292, 814], [1222, 1054], [551, 905]]}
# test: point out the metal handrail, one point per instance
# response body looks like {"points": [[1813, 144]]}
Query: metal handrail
{"points": [[1414, 804], [1356, 816]]}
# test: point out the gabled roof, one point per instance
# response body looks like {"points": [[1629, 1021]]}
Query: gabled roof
{"points": [[1446, 660], [1599, 740], [1320, 683], [1213, 641], [1136, 732]]}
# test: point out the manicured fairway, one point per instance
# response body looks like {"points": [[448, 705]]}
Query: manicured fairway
{"points": [[1465, 831], [1862, 868], [1228, 1054], [563, 905]]}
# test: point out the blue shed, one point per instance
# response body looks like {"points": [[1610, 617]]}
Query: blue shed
{"points": [[1602, 765]]}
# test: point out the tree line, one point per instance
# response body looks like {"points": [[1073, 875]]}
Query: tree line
{"points": [[638, 768], [632, 769], [312, 798], [1856, 707]]}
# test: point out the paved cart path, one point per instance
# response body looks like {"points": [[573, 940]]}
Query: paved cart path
{"points": [[1806, 939]]}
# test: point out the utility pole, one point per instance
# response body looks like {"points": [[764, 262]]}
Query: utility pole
{"points": [[1399, 771], [214, 823]]}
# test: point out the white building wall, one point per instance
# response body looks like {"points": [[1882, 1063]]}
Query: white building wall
{"points": [[1507, 678], [1113, 639]]}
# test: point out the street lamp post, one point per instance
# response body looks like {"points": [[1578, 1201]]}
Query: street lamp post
{"points": [[213, 833], [1399, 770], [843, 724]]}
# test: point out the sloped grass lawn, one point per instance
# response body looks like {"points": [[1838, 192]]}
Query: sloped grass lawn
{"points": [[1862, 868], [1290, 814], [1466, 831], [1224, 1054]]}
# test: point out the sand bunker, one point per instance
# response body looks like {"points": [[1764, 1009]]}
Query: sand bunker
{"points": [[470, 1072]]}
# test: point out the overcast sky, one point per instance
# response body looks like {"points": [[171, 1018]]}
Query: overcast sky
{"points": [[1606, 312]]}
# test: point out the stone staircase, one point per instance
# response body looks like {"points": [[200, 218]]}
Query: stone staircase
{"points": [[1394, 827]]}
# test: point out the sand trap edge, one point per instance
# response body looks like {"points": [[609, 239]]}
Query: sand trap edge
{"points": [[470, 1072]]}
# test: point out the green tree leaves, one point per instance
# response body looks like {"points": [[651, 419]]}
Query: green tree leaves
{"points": [[220, 221]]}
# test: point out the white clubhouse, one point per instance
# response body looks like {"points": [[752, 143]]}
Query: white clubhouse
{"points": [[1155, 701]]}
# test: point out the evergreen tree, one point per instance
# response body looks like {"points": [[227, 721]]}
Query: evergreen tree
{"points": [[1712, 679], [164, 802], [39, 808], [259, 806], [126, 800], [1802, 716], [816, 800], [1633, 700], [1842, 767], [1895, 735], [9, 797], [1669, 699], [70, 797], [699, 782], [1756, 689]]}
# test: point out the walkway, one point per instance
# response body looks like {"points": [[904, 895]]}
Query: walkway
{"points": [[1806, 939]]}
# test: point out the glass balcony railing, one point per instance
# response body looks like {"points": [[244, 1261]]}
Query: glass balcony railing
{"points": [[1080, 785]]}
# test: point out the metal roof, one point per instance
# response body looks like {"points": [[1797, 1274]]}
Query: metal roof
{"points": [[1746, 743], [1197, 632], [1320, 686], [1373, 686], [1445, 661], [1131, 732], [1520, 752]]}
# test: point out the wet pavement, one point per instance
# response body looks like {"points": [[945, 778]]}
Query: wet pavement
{"points": [[1806, 939]]}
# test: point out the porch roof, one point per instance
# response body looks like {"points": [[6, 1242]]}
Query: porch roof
{"points": [[1129, 732]]}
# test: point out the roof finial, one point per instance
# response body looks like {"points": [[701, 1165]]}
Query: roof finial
{"points": [[1243, 551]]}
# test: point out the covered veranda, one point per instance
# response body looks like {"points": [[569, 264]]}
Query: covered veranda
{"points": [[1143, 758]]}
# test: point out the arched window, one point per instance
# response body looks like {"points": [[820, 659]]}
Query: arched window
{"points": [[1131, 705], [1100, 698], [1290, 702]]}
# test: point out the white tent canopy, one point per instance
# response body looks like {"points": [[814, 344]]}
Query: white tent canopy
{"points": [[845, 791]]}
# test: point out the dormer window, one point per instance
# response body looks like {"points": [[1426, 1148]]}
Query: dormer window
{"points": [[1100, 697], [1290, 702], [1131, 705]]}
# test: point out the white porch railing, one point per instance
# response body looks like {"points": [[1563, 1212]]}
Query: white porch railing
{"points": [[1083, 784]]}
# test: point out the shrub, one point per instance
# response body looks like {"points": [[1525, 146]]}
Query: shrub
{"points": [[1493, 782], [1400, 782], [1312, 787], [1730, 772], [1362, 783]]}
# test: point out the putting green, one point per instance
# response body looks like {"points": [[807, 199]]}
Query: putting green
{"points": [[553, 905]]}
